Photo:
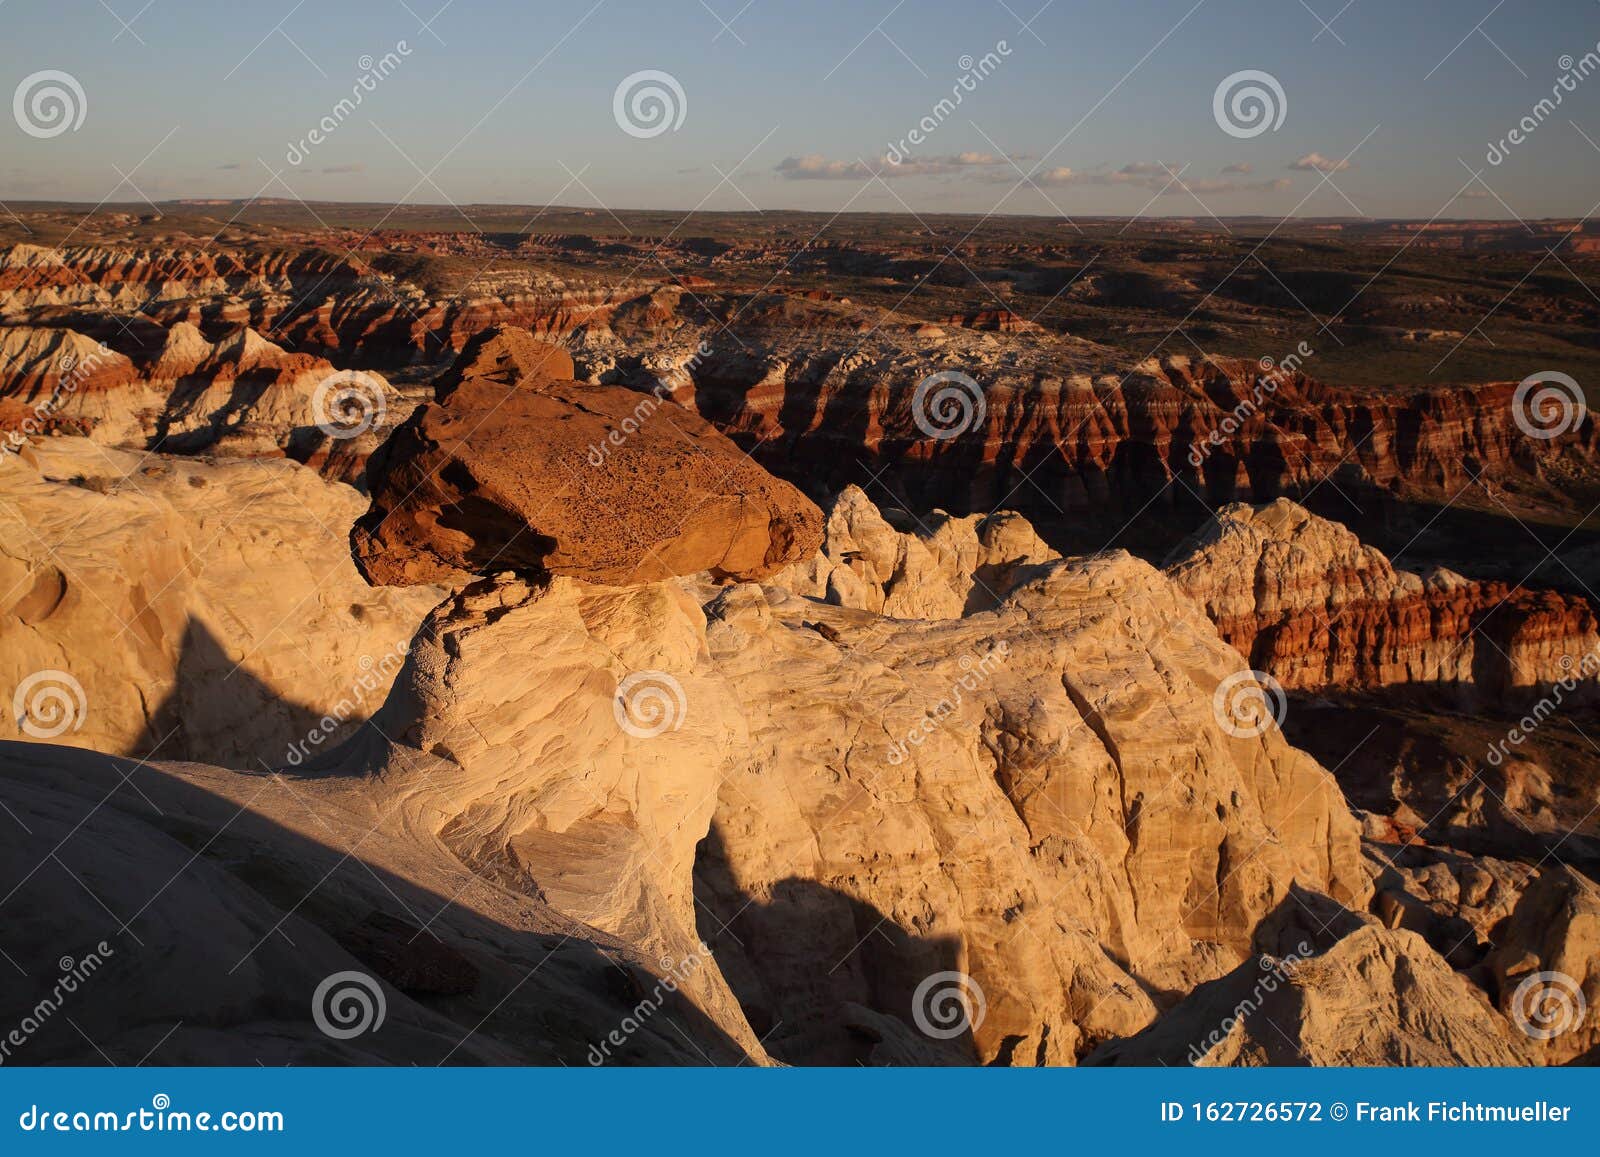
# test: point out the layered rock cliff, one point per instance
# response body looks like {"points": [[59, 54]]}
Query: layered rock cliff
{"points": [[1305, 600], [241, 394]]}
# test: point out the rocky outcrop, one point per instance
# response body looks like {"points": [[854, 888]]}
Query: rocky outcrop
{"points": [[881, 801], [222, 918], [992, 321], [42, 372], [1454, 901], [603, 824], [1304, 600], [1371, 997], [596, 482], [185, 609], [1546, 966], [940, 567], [843, 806], [251, 395], [1036, 797]]}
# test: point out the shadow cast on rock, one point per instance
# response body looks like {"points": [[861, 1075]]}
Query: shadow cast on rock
{"points": [[219, 712], [823, 978], [219, 906]]}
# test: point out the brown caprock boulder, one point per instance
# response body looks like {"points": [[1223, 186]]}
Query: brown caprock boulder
{"points": [[513, 470]]}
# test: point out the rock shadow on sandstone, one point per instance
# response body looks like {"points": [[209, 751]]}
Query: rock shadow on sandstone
{"points": [[222, 921]]}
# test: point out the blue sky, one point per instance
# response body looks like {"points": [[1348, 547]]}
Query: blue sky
{"points": [[1105, 107]]}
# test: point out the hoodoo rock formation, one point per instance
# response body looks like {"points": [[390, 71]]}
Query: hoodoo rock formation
{"points": [[534, 474], [1003, 793]]}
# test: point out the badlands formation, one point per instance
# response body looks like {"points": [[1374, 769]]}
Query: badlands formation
{"points": [[594, 704]]}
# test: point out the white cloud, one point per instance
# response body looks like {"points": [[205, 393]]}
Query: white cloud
{"points": [[1149, 168], [1164, 177], [816, 167], [1317, 163]]}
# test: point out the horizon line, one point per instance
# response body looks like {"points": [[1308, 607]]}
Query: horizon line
{"points": [[193, 202]]}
